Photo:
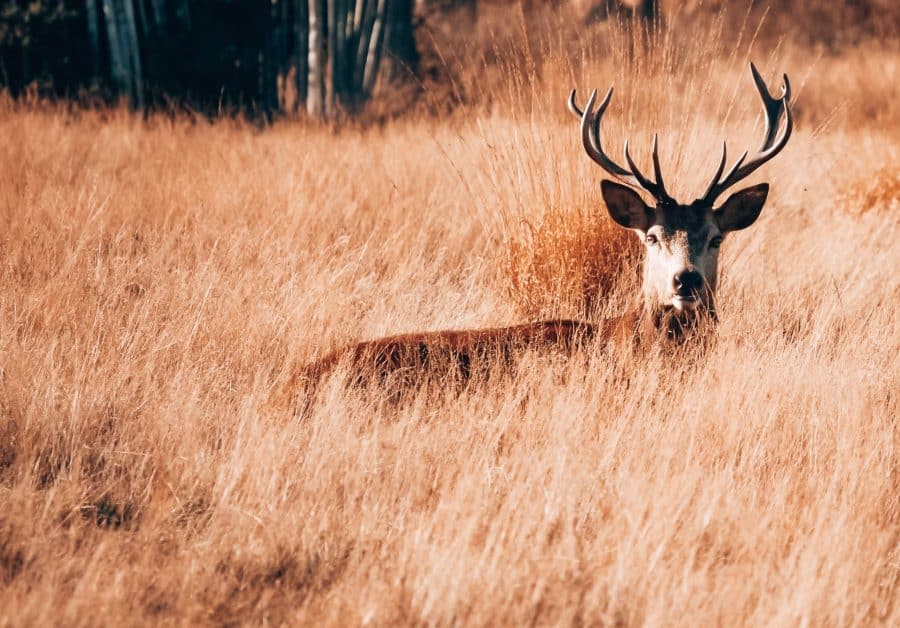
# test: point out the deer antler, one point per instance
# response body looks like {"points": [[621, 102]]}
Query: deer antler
{"points": [[771, 145], [590, 137]]}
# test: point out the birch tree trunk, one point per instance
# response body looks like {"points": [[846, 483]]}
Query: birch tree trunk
{"points": [[367, 11], [373, 56], [315, 99]]}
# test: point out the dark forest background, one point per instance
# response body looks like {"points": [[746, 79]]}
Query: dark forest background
{"points": [[205, 54], [321, 58]]}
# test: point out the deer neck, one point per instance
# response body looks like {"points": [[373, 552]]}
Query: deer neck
{"points": [[651, 319]]}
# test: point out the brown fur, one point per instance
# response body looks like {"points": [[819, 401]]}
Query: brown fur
{"points": [[403, 359], [461, 351], [466, 352]]}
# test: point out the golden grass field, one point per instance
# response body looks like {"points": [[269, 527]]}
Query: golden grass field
{"points": [[163, 278]]}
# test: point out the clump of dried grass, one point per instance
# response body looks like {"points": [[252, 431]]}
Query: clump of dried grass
{"points": [[570, 264], [878, 191]]}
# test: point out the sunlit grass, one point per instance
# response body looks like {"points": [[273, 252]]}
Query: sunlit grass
{"points": [[162, 279]]}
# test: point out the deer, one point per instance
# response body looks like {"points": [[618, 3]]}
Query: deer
{"points": [[680, 266]]}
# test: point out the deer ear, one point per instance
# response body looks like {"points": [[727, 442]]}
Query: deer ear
{"points": [[625, 206], [742, 208]]}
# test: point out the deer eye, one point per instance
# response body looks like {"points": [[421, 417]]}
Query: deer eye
{"points": [[651, 239], [715, 242]]}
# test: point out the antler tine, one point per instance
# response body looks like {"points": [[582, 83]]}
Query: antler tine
{"points": [[657, 190], [719, 170], [657, 171], [590, 138], [771, 146], [734, 169], [644, 181], [573, 106], [773, 107], [743, 170], [595, 126], [590, 135]]}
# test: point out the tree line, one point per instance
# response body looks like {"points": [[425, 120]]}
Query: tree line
{"points": [[259, 56]]}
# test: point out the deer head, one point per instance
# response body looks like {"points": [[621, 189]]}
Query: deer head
{"points": [[682, 240]]}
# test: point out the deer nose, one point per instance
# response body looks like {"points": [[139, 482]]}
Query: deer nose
{"points": [[687, 282]]}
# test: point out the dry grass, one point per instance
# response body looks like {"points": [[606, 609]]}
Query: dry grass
{"points": [[161, 279]]}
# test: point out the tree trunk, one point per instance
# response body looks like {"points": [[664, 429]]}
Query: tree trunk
{"points": [[301, 49], [143, 19], [346, 35], [270, 60], [376, 45], [332, 81], [315, 100], [367, 10]]}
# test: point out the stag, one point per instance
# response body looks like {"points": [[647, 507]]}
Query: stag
{"points": [[681, 245]]}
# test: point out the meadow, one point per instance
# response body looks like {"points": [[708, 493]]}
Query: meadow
{"points": [[161, 280]]}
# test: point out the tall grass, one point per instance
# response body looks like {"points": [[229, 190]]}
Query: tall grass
{"points": [[161, 279]]}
